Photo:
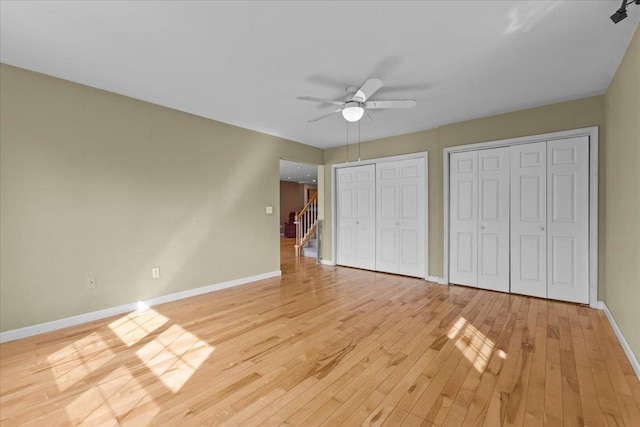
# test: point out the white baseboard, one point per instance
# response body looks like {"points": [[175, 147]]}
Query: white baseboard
{"points": [[623, 342], [436, 279], [41, 328], [327, 262]]}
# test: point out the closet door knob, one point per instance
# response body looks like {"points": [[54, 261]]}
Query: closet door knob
{"points": [[541, 228], [482, 227]]}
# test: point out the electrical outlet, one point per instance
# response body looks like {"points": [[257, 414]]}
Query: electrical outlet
{"points": [[91, 282], [155, 272], [269, 210]]}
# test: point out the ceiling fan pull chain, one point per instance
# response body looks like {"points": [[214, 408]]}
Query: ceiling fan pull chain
{"points": [[358, 140], [347, 142]]}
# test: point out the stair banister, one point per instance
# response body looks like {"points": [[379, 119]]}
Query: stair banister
{"points": [[306, 223]]}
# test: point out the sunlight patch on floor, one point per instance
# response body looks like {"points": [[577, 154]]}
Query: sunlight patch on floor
{"points": [[137, 325], [174, 356], [75, 361], [117, 396], [475, 347]]}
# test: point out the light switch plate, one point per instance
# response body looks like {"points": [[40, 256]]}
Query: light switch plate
{"points": [[269, 210]]}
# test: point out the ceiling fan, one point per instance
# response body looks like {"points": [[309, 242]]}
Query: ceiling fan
{"points": [[357, 101]]}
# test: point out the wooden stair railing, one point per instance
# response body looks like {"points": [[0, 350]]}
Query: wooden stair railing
{"points": [[306, 223]]}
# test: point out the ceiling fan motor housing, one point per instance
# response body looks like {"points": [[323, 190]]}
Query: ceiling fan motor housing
{"points": [[353, 111]]}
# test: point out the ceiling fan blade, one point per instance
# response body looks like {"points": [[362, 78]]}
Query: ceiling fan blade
{"points": [[326, 115], [326, 101], [399, 103], [367, 89]]}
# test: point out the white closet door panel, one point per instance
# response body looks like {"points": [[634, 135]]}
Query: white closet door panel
{"points": [[364, 254], [345, 245], [388, 253], [387, 199], [387, 233], [568, 219], [401, 217], [412, 217], [356, 217], [529, 219], [411, 254], [493, 219], [463, 221], [346, 216]]}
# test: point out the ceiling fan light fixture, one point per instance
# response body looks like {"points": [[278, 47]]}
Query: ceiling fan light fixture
{"points": [[352, 112]]}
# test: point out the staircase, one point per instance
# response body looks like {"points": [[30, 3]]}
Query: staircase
{"points": [[310, 249], [306, 228]]}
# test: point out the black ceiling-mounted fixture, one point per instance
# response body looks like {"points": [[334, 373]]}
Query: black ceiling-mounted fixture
{"points": [[622, 12]]}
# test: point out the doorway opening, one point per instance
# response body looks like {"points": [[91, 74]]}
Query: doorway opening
{"points": [[300, 207]]}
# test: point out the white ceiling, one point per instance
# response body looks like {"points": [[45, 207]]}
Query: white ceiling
{"points": [[298, 172], [245, 63]]}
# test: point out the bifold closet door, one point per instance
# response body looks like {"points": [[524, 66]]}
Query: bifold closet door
{"points": [[519, 219], [568, 219], [529, 219], [479, 219], [550, 219], [493, 219], [356, 217], [400, 217], [463, 218]]}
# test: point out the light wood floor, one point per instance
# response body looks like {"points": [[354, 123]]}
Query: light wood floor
{"points": [[331, 346]]}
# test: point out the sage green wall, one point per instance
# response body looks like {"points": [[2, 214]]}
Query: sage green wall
{"points": [[550, 118], [98, 184], [622, 196]]}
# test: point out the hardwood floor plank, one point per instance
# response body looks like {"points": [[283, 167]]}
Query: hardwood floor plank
{"points": [[389, 393], [493, 325], [587, 391], [571, 404], [534, 411], [444, 347], [327, 345], [629, 407], [421, 329], [553, 413], [481, 399], [498, 408], [412, 421], [471, 344], [402, 348]]}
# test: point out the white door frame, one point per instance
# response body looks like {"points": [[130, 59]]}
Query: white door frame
{"points": [[592, 133], [420, 155]]}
